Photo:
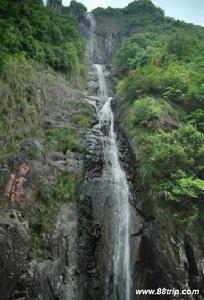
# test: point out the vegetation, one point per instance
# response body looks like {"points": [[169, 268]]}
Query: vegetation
{"points": [[133, 18], [30, 30], [33, 39], [41, 51], [19, 113], [76, 9], [50, 198], [161, 75], [62, 140]]}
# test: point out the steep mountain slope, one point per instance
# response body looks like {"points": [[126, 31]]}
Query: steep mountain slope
{"points": [[59, 206], [44, 114]]}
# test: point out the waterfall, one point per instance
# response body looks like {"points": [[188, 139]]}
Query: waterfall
{"points": [[102, 83], [121, 283], [120, 190], [91, 19]]}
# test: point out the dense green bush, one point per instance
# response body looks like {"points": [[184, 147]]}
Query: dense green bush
{"points": [[29, 28], [146, 112], [171, 168]]}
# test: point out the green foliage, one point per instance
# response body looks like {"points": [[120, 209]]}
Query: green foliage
{"points": [[197, 118], [170, 165], [142, 7], [41, 34], [62, 140], [42, 214], [63, 191], [84, 117], [50, 198], [139, 50], [172, 152], [146, 80], [189, 187], [17, 109], [144, 111], [133, 18], [33, 152], [64, 58], [170, 82], [183, 46], [161, 92]]}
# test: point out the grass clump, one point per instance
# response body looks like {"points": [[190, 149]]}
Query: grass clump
{"points": [[50, 198], [60, 139], [34, 152], [84, 117]]}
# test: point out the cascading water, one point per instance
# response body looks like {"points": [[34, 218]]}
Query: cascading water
{"points": [[91, 19], [120, 190], [117, 181]]}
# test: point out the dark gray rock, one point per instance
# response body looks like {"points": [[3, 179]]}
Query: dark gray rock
{"points": [[56, 156], [14, 245], [56, 278]]}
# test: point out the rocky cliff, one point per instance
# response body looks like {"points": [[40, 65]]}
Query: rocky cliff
{"points": [[38, 239], [55, 4]]}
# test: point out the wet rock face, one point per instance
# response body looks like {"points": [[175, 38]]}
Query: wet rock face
{"points": [[56, 276], [167, 264], [14, 245], [90, 205], [94, 149], [107, 44], [89, 229]]}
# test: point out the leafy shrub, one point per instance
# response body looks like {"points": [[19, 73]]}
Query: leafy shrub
{"points": [[147, 80], [145, 112], [189, 187], [182, 46], [197, 118], [170, 166]]}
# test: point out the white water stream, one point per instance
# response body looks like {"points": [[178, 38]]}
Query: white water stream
{"points": [[91, 19], [118, 182]]}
